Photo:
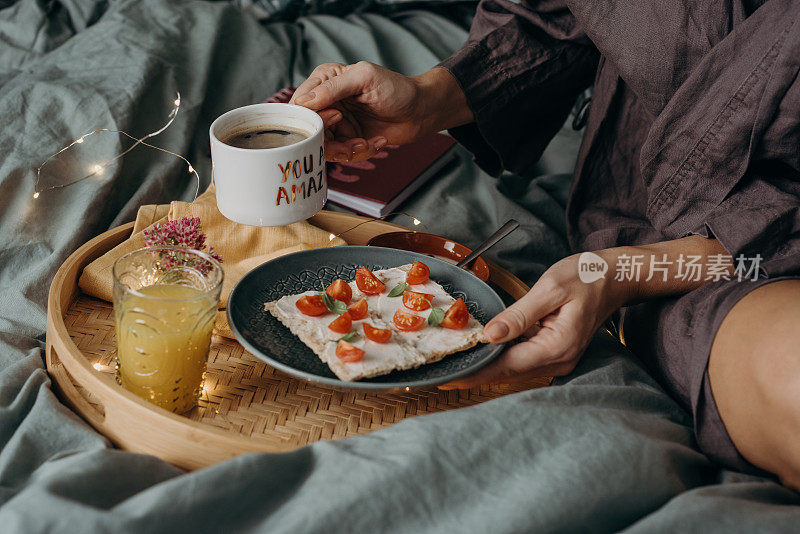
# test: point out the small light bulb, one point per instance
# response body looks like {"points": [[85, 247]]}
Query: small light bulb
{"points": [[331, 237], [79, 140], [177, 102], [98, 366], [36, 195], [416, 221], [191, 169], [98, 169]]}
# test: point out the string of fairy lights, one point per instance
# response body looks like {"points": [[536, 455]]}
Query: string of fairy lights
{"points": [[416, 222], [97, 169]]}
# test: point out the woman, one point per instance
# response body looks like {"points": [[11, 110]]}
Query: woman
{"points": [[686, 186]]}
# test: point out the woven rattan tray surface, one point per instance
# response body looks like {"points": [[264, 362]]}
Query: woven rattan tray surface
{"points": [[247, 406]]}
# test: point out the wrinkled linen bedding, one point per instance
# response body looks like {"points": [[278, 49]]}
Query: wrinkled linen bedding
{"points": [[604, 450]]}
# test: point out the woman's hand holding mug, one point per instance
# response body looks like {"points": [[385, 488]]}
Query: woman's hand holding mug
{"points": [[365, 106]]}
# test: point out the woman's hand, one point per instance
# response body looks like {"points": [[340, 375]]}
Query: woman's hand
{"points": [[365, 106], [558, 317], [556, 320]]}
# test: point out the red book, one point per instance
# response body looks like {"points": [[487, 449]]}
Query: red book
{"points": [[376, 187]]}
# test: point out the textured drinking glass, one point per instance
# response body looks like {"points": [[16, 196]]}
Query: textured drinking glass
{"points": [[165, 304]]}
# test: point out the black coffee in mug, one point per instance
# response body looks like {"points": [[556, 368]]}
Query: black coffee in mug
{"points": [[265, 136]]}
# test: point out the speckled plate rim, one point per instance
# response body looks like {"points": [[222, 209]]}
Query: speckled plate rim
{"points": [[371, 386]]}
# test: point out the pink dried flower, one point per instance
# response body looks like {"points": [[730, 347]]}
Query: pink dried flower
{"points": [[185, 232], [214, 254]]}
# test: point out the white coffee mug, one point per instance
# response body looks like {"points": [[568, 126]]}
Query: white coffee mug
{"points": [[269, 186]]}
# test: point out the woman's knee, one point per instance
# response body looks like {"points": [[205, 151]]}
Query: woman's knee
{"points": [[754, 370]]}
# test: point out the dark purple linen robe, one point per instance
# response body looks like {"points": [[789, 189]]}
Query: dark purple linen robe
{"points": [[694, 128]]}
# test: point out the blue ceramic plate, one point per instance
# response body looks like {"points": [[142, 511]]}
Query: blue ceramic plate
{"points": [[265, 337]]}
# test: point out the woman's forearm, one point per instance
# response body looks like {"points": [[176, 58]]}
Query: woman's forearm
{"points": [[666, 268], [442, 102]]}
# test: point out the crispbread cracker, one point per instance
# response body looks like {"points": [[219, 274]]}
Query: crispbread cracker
{"points": [[405, 350], [326, 350]]}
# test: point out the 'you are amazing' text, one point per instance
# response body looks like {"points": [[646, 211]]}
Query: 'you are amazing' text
{"points": [[303, 181]]}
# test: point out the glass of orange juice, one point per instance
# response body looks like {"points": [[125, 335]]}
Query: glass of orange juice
{"points": [[165, 304]]}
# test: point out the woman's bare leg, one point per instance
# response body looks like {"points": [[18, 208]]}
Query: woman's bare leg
{"points": [[754, 370]]}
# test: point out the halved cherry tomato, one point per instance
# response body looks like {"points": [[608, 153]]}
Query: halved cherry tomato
{"points": [[359, 310], [340, 290], [342, 324], [407, 322], [418, 273], [348, 353], [311, 305], [378, 335], [417, 301], [368, 283], [456, 317]]}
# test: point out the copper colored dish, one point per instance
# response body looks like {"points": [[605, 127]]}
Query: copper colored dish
{"points": [[432, 245]]}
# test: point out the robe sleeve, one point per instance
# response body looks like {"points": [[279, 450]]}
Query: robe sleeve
{"points": [[521, 70], [721, 81], [759, 221]]}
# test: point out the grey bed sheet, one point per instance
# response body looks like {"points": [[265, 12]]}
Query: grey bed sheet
{"points": [[605, 450]]}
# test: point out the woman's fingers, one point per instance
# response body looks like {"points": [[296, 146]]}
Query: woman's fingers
{"points": [[363, 150], [357, 146], [330, 117], [350, 82], [336, 150], [522, 361], [378, 142], [318, 75], [305, 88], [351, 150], [523, 314]]}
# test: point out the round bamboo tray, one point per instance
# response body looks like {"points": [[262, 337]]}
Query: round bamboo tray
{"points": [[247, 406]]}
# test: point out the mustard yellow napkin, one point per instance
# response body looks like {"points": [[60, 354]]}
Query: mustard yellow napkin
{"points": [[242, 247]]}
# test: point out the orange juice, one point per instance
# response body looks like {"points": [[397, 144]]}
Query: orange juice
{"points": [[163, 337]]}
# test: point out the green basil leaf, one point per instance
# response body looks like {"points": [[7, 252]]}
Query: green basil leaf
{"points": [[334, 306], [350, 336], [436, 317], [398, 290]]}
